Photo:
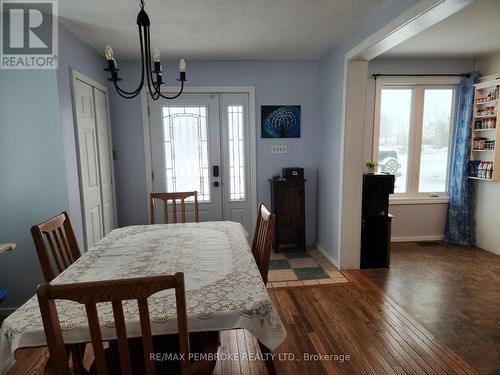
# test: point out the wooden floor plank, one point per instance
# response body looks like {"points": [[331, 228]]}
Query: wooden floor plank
{"points": [[355, 319], [242, 349], [448, 360], [453, 292], [409, 325], [233, 348], [374, 346]]}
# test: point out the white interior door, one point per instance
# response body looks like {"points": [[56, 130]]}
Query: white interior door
{"points": [[88, 162], [201, 142], [185, 147], [95, 161], [105, 160]]}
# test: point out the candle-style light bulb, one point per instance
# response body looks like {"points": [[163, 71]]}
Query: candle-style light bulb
{"points": [[156, 55], [182, 66], [109, 52]]}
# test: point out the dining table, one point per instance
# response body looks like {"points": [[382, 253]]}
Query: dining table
{"points": [[224, 289]]}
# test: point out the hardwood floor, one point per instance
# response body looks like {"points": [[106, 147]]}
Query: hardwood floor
{"points": [[354, 319], [452, 291]]}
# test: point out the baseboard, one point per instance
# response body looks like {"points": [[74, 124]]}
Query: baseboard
{"points": [[327, 256], [417, 238]]}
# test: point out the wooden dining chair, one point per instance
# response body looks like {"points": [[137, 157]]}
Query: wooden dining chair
{"points": [[263, 240], [116, 291], [59, 247], [173, 197]]}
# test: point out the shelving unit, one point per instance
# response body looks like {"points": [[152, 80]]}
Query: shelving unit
{"points": [[479, 178], [484, 130], [487, 102], [486, 126]]}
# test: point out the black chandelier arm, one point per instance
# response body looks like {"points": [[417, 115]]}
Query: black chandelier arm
{"points": [[149, 68], [147, 61], [156, 94], [175, 96], [125, 94], [132, 94]]}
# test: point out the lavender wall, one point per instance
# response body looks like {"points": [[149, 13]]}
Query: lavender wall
{"points": [[33, 185], [281, 82], [74, 53], [331, 92], [38, 159]]}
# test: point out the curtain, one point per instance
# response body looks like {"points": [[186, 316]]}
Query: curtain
{"points": [[460, 225]]}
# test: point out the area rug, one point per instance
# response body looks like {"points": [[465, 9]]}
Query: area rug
{"points": [[292, 268]]}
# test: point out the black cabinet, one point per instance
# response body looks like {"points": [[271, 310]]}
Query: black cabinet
{"points": [[376, 220], [287, 204]]}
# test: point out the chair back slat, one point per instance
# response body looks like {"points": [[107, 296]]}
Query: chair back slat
{"points": [[165, 213], [147, 340], [63, 253], [173, 197], [56, 244], [64, 244], [196, 212], [180, 299], [56, 253], [262, 240], [174, 207], [95, 335], [121, 334], [114, 291], [183, 210]]}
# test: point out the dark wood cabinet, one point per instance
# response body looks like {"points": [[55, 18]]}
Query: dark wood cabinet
{"points": [[288, 205], [376, 221]]}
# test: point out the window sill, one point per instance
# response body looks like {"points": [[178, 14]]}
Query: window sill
{"points": [[395, 200]]}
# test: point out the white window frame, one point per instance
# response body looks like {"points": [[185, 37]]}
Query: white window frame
{"points": [[418, 84]]}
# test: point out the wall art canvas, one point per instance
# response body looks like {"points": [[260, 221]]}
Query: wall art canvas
{"points": [[280, 121]]}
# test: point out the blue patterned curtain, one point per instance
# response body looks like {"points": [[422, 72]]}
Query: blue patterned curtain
{"points": [[460, 225]]}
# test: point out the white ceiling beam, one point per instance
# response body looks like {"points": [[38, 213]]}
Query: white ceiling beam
{"points": [[418, 18]]}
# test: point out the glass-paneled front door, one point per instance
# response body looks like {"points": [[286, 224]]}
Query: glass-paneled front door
{"points": [[200, 142]]}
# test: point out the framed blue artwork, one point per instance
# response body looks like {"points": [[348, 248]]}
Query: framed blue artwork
{"points": [[280, 121]]}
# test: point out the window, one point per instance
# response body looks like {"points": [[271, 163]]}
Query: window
{"points": [[236, 153], [413, 131], [186, 150]]}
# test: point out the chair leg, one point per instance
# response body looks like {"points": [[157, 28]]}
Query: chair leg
{"points": [[271, 370]]}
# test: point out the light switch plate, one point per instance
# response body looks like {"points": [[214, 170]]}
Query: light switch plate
{"points": [[278, 149]]}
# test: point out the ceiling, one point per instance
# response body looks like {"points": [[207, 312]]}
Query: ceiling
{"points": [[219, 29], [472, 32]]}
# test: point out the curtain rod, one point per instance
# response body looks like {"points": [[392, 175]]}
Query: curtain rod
{"points": [[467, 75]]}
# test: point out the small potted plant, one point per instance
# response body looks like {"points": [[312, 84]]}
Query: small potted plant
{"points": [[372, 166]]}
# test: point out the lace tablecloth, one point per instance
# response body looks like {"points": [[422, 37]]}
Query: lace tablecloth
{"points": [[224, 289]]}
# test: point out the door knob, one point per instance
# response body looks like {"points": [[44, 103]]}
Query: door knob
{"points": [[216, 184]]}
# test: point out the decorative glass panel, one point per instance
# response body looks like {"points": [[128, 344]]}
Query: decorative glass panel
{"points": [[236, 153], [186, 150], [435, 140]]}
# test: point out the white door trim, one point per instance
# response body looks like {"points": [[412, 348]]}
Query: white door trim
{"points": [[250, 90], [74, 76]]}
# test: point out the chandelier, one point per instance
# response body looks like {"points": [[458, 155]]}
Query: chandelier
{"points": [[147, 72]]}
